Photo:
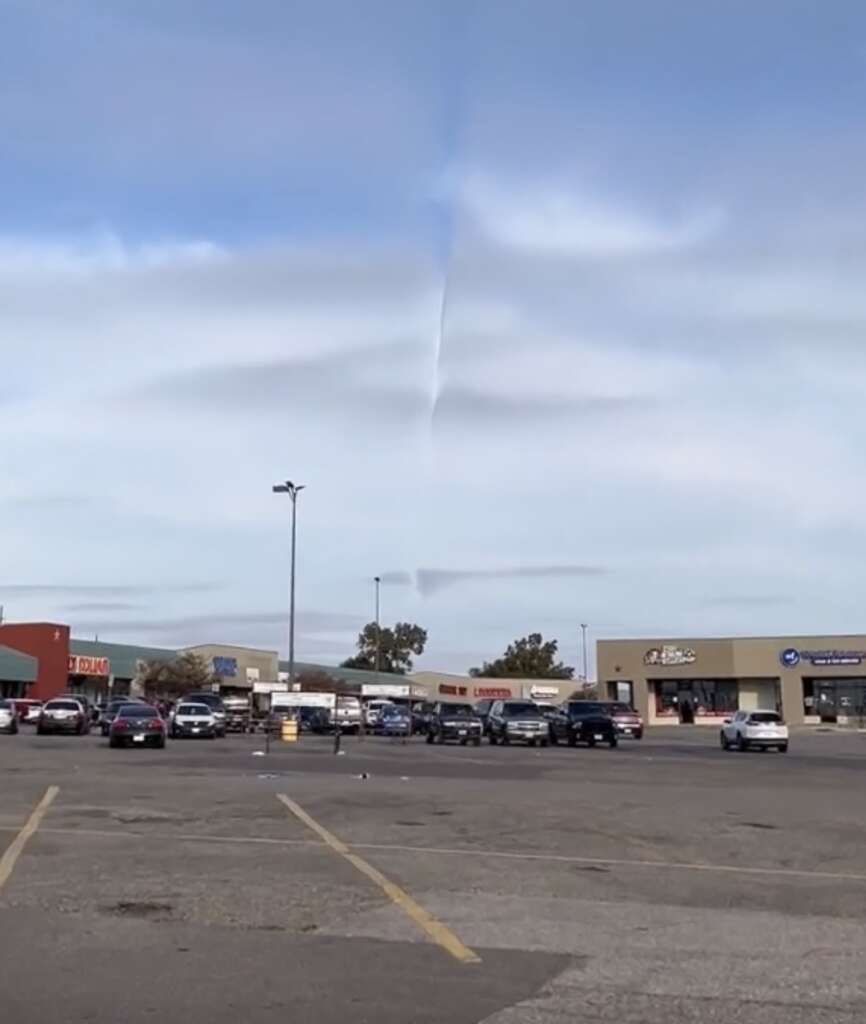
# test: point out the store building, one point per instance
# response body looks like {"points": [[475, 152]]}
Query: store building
{"points": [[237, 669], [810, 679], [444, 686]]}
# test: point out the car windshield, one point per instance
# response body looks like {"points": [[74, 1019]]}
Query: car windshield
{"points": [[621, 709], [458, 709], [524, 708], [584, 707], [137, 711], [196, 710], [765, 717], [63, 705], [393, 712], [5, 704]]}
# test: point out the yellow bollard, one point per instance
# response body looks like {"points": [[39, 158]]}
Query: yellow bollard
{"points": [[290, 730]]}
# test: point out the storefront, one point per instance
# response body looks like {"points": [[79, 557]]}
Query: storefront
{"points": [[703, 681]]}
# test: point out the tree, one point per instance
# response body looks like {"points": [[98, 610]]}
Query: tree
{"points": [[316, 681], [527, 658], [172, 679], [396, 647]]}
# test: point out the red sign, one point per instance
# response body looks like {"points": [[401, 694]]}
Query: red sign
{"points": [[497, 692], [84, 665], [452, 691]]}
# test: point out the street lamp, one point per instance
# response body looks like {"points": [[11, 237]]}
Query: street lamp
{"points": [[377, 580], [583, 628], [293, 490]]}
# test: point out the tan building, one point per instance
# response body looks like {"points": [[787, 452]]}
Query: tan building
{"points": [[238, 668], [444, 686], [809, 679]]}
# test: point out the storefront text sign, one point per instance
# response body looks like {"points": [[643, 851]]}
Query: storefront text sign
{"points": [[791, 657], [496, 692], [670, 654], [85, 665], [225, 668]]}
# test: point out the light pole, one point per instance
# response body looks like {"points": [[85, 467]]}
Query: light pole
{"points": [[293, 490], [583, 628], [377, 580]]}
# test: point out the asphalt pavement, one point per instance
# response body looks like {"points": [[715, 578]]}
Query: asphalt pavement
{"points": [[665, 881]]}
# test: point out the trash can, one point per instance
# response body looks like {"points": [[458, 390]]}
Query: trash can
{"points": [[290, 730]]}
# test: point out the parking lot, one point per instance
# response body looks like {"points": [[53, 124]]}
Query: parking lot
{"points": [[401, 882]]}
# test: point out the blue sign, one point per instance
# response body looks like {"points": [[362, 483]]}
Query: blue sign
{"points": [[225, 667], [790, 657]]}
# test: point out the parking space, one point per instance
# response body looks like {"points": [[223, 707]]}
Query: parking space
{"points": [[662, 881]]}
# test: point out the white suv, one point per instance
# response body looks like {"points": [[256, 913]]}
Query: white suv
{"points": [[761, 729]]}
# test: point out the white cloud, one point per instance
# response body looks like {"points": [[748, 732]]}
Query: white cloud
{"points": [[559, 219]]}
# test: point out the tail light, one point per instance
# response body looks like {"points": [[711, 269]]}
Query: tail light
{"points": [[154, 723], [119, 723]]}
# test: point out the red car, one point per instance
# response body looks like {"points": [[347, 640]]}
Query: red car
{"points": [[137, 725]]}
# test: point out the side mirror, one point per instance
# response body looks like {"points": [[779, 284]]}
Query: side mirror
{"points": [[726, 721]]}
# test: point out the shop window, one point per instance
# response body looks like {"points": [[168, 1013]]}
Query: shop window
{"points": [[692, 698]]}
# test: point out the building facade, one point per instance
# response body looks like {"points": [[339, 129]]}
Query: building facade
{"points": [[810, 679]]}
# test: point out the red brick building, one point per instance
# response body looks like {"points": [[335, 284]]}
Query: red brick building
{"points": [[48, 642]]}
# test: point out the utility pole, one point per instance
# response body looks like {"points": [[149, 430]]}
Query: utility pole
{"points": [[583, 628], [293, 490], [377, 580]]}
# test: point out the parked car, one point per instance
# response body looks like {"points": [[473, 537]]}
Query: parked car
{"points": [[584, 721], [755, 729], [372, 711], [237, 714], [627, 721], [137, 725], [8, 717], [517, 720], [349, 714], [27, 709], [421, 713], [110, 711], [215, 703], [395, 720], [454, 722], [192, 720], [63, 714], [83, 700], [482, 710]]}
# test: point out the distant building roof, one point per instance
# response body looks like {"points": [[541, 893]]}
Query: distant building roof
{"points": [[123, 657], [16, 667]]}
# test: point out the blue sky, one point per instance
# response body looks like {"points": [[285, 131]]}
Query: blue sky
{"points": [[227, 237]]}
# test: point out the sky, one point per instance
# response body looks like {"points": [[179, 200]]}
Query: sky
{"points": [[556, 309]]}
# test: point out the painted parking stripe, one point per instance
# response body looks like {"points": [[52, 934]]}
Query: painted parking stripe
{"points": [[16, 847], [432, 927]]}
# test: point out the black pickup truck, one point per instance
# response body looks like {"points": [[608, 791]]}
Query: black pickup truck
{"points": [[454, 722], [583, 722]]}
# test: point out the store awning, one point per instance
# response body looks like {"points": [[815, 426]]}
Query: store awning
{"points": [[16, 667]]}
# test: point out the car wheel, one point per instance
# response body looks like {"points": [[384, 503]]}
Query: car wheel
{"points": [[476, 742], [783, 748], [429, 737], [160, 744], [591, 741], [742, 744], [544, 743], [504, 739], [491, 739], [639, 734], [613, 742], [554, 739], [40, 731], [530, 743], [723, 740], [113, 742]]}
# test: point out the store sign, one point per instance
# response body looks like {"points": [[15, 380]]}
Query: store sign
{"points": [[670, 654], [84, 665], [791, 657], [385, 690], [540, 692], [494, 692], [225, 667], [270, 687], [253, 675], [447, 690]]}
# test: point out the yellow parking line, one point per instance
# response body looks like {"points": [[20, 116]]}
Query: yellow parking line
{"points": [[437, 931], [16, 847]]}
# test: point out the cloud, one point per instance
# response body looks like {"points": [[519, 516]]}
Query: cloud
{"points": [[558, 219], [74, 589], [430, 581], [749, 601]]}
